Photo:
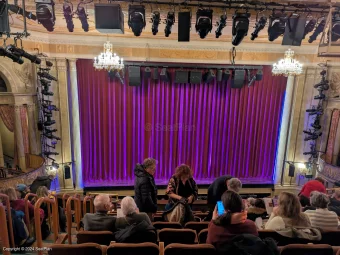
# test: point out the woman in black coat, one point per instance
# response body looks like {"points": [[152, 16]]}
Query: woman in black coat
{"points": [[145, 187]]}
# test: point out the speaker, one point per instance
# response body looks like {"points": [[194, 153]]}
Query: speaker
{"points": [[155, 75], [4, 24], [219, 75], [67, 171], [181, 76], [195, 77], [184, 26], [147, 72], [291, 170], [109, 18], [134, 76], [259, 75], [295, 30], [238, 79], [165, 75]]}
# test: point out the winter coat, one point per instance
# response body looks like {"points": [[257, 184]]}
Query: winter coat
{"points": [[145, 190], [216, 190]]}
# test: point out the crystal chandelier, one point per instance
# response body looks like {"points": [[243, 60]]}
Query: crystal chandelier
{"points": [[108, 60], [287, 66]]}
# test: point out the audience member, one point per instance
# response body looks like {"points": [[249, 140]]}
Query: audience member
{"points": [[314, 185], [334, 204], [41, 181], [19, 204], [321, 217], [220, 230], [235, 185], [131, 214], [258, 210], [22, 190], [145, 187], [42, 191], [215, 192], [100, 220], [287, 214]]}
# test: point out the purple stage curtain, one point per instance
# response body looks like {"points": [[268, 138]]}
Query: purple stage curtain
{"points": [[211, 127]]}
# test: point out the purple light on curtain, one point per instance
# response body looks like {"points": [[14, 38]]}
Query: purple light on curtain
{"points": [[211, 127]]}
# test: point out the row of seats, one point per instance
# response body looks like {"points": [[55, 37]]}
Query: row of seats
{"points": [[177, 249]]}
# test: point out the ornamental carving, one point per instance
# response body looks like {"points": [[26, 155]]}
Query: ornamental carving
{"points": [[24, 73], [334, 84]]}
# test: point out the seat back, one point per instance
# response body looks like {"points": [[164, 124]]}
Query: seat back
{"points": [[133, 249], [197, 226], [98, 237], [183, 236], [81, 249], [189, 249], [161, 225], [307, 249], [202, 236], [331, 237], [143, 237], [281, 240]]}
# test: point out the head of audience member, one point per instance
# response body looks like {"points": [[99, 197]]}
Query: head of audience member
{"points": [[22, 190], [289, 207], [102, 203], [128, 206], [150, 165], [251, 201], [42, 191], [232, 202], [183, 173], [336, 194], [319, 200], [11, 193], [234, 184], [319, 179], [259, 203]]}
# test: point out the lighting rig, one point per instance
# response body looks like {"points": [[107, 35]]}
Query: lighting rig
{"points": [[203, 22], [48, 138], [314, 132], [169, 22]]}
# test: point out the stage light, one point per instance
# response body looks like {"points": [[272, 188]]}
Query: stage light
{"points": [[45, 13], [147, 72], [18, 10], [309, 27], [55, 166], [318, 30], [260, 24], [208, 76], [50, 107], [220, 25], [277, 25], [136, 20], [251, 78], [170, 20], [165, 77], [49, 153], [226, 75], [46, 92], [259, 75], [49, 131], [49, 122], [155, 19], [47, 76], [49, 63], [335, 27], [82, 16], [22, 53], [316, 123], [16, 58], [68, 14], [203, 22], [52, 137], [240, 27]]}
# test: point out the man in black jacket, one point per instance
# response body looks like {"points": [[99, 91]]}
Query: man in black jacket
{"points": [[145, 187]]}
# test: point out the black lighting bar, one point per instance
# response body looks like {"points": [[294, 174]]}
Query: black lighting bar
{"points": [[249, 5], [192, 66]]}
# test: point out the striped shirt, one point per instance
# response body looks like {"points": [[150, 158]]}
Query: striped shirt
{"points": [[322, 218]]}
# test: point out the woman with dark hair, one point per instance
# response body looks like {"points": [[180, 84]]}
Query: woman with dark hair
{"points": [[221, 230], [258, 210], [182, 192]]}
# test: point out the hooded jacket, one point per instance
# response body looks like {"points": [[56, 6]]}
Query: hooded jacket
{"points": [[145, 190]]}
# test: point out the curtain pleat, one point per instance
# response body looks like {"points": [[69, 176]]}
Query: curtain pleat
{"points": [[213, 128]]}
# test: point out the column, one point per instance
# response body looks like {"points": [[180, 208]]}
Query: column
{"points": [[76, 145], [2, 161], [19, 139], [284, 130], [31, 129]]}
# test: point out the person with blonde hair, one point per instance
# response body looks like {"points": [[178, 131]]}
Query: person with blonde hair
{"points": [[287, 214], [131, 214]]}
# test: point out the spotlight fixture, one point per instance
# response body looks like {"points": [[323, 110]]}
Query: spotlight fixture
{"points": [[220, 25], [155, 19], [49, 153], [203, 22], [226, 75], [335, 27], [165, 77], [18, 10], [277, 25], [259, 75], [318, 30], [45, 13], [81, 12], [16, 58], [309, 27], [22, 53], [240, 27], [136, 20], [68, 14], [49, 122], [260, 24], [55, 166], [47, 76], [251, 78], [170, 20], [208, 76]]}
